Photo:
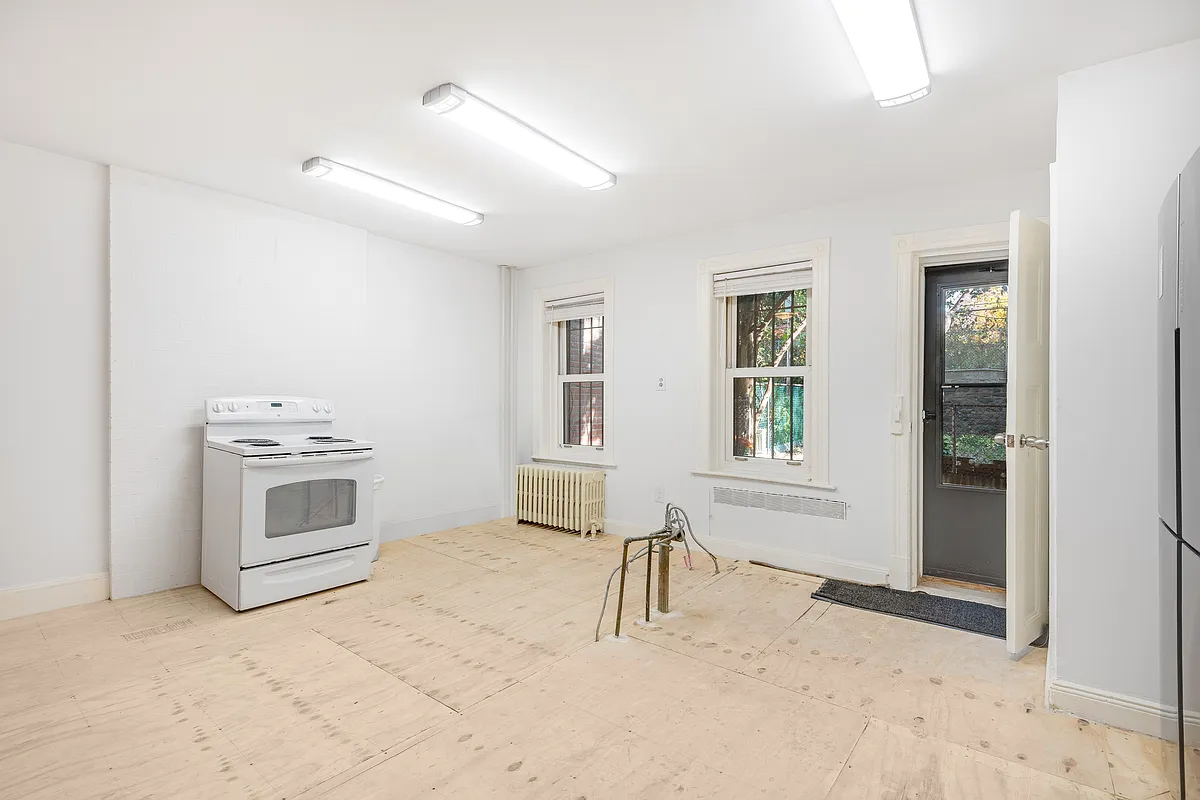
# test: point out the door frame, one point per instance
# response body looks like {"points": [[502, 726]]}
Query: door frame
{"points": [[914, 253]]}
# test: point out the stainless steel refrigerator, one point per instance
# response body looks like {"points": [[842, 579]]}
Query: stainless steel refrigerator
{"points": [[1179, 470]]}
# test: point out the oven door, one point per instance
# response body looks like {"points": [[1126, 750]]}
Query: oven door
{"points": [[304, 504]]}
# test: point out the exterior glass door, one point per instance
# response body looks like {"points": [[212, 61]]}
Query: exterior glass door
{"points": [[966, 373]]}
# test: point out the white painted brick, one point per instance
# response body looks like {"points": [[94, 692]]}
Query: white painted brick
{"points": [[214, 295]]}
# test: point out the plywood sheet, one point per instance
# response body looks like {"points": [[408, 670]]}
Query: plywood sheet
{"points": [[893, 761], [949, 684], [158, 742], [465, 668], [731, 620], [528, 744], [1144, 768], [304, 709], [756, 733]]}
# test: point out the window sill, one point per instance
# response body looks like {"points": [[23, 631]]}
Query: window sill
{"points": [[578, 462], [743, 476]]}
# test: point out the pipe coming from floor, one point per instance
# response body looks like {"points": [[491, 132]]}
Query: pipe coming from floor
{"points": [[676, 528]]}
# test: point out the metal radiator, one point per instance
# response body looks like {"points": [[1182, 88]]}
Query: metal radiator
{"points": [[561, 497]]}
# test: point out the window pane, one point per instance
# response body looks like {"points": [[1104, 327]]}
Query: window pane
{"points": [[771, 329], [976, 334], [768, 418], [583, 413], [310, 506], [971, 416], [585, 346]]}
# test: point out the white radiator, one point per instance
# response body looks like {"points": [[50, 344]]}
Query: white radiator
{"points": [[561, 497]]}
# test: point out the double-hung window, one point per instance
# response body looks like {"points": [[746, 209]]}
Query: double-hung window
{"points": [[575, 397], [767, 369]]}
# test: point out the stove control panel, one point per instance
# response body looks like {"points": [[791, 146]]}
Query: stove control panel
{"points": [[268, 408]]}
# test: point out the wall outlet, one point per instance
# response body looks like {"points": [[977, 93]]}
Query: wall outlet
{"points": [[660, 495], [660, 385]]}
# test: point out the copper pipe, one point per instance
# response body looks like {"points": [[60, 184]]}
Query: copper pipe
{"points": [[664, 577], [621, 595], [649, 572]]}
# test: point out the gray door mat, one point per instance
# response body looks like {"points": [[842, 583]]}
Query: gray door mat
{"points": [[945, 611]]}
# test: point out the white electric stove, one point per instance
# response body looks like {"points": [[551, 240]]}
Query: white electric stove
{"points": [[288, 503]]}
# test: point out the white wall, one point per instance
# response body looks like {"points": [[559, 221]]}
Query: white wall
{"points": [[435, 378], [1125, 129], [654, 322], [54, 396], [213, 294]]}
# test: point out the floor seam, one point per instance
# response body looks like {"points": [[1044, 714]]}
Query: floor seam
{"points": [[849, 755], [793, 622], [780, 636], [827, 702], [447, 555], [788, 689], [332, 782], [200, 707], [394, 677], [545, 665]]}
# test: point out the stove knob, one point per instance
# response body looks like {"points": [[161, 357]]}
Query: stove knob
{"points": [[316, 407], [328, 408], [218, 407], [233, 406]]}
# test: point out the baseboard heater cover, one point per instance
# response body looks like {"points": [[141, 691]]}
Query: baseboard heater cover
{"points": [[786, 503]]}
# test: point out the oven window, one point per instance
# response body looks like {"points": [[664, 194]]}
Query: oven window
{"points": [[310, 506]]}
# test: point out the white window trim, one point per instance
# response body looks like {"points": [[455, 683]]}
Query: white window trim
{"points": [[716, 417], [547, 394], [914, 253]]}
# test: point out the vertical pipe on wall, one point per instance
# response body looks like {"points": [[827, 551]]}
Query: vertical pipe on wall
{"points": [[508, 388]]}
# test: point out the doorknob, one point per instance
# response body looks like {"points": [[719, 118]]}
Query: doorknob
{"points": [[1033, 441], [999, 438]]}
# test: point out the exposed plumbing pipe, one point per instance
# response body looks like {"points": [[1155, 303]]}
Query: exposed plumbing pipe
{"points": [[676, 528]]}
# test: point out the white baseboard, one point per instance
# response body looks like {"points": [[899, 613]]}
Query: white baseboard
{"points": [[898, 575], [1119, 710], [811, 563], [390, 531], [18, 601], [824, 566], [615, 528]]}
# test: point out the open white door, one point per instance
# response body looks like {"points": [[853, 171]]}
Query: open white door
{"points": [[1027, 514]]}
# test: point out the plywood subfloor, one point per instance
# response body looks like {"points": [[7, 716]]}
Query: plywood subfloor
{"points": [[466, 668]]}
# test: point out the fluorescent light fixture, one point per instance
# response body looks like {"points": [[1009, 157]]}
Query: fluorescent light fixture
{"points": [[384, 189], [469, 111], [887, 43]]}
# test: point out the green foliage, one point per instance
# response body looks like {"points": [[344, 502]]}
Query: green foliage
{"points": [[976, 327], [978, 448]]}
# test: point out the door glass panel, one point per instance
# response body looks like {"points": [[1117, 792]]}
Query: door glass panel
{"points": [[768, 418], [974, 385], [310, 506], [976, 334], [971, 416]]}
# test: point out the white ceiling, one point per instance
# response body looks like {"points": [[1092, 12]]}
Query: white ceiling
{"points": [[708, 111]]}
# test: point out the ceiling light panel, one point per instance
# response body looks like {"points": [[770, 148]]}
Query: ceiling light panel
{"points": [[887, 43], [453, 102], [384, 189]]}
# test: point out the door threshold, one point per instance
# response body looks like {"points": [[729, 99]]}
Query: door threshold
{"points": [[962, 590]]}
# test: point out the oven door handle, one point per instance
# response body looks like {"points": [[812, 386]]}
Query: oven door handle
{"points": [[311, 460]]}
